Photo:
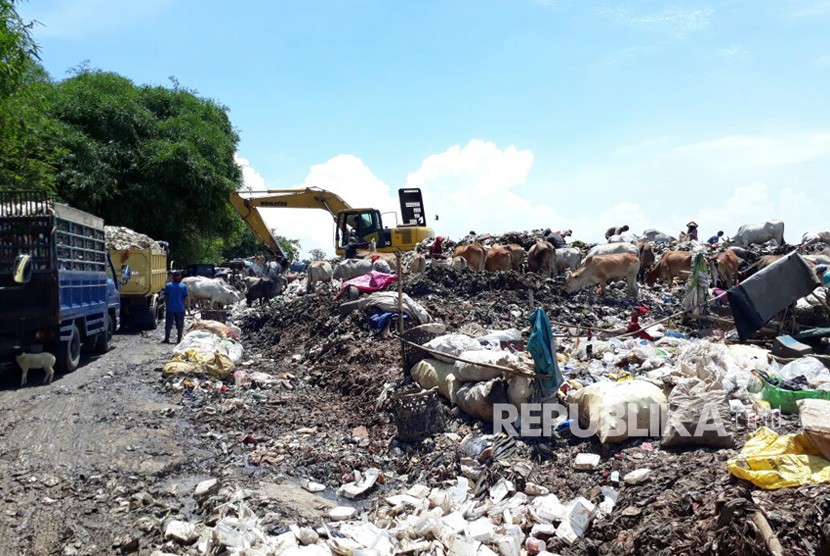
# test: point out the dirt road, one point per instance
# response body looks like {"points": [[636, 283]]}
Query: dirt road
{"points": [[73, 453]]}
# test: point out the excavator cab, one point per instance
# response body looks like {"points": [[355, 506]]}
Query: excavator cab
{"points": [[358, 227]]}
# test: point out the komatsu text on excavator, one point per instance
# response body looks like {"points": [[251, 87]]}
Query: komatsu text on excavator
{"points": [[355, 228]]}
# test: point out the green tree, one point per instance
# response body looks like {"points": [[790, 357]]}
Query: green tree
{"points": [[17, 48], [30, 138], [291, 247], [317, 254], [155, 159], [245, 244]]}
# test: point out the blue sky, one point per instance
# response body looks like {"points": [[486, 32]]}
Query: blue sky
{"points": [[509, 114]]}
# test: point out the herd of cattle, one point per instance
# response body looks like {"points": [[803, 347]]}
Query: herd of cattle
{"points": [[632, 258], [626, 257]]}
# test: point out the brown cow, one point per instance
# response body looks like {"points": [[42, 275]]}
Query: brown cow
{"points": [[542, 259], [473, 253], [599, 269], [498, 258], [519, 255], [646, 259], [764, 262], [725, 266], [672, 264]]}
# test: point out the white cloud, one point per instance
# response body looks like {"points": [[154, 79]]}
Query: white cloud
{"points": [[746, 151], [757, 202], [473, 188], [809, 8], [625, 55], [732, 53], [678, 23], [251, 179]]}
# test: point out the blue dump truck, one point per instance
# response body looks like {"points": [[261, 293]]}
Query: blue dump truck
{"points": [[58, 287]]}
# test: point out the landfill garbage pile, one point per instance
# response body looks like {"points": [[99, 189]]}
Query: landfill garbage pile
{"points": [[120, 237], [309, 406]]}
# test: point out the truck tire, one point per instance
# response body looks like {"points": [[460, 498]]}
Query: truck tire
{"points": [[152, 316], [69, 352], [104, 338]]}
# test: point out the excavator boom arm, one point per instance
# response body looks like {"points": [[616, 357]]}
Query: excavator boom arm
{"points": [[248, 208]]}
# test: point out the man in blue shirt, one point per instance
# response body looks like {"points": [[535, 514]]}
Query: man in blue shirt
{"points": [[715, 239], [176, 294]]}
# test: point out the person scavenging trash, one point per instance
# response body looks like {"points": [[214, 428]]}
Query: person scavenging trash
{"points": [[691, 230], [615, 231], [554, 238], [715, 238], [175, 295]]}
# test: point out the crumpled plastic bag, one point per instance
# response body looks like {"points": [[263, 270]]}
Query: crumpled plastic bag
{"points": [[817, 375], [772, 461], [191, 362], [452, 344]]}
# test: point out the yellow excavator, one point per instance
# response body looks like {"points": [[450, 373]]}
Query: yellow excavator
{"points": [[355, 228]]}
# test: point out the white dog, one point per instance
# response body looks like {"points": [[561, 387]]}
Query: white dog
{"points": [[45, 361]]}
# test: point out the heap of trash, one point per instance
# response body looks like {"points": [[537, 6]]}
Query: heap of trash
{"points": [[120, 237], [423, 443]]}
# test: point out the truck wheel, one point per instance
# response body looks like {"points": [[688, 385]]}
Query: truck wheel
{"points": [[152, 316], [69, 352], [104, 339]]}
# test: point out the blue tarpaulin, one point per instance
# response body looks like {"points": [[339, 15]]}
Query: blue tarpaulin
{"points": [[541, 347]]}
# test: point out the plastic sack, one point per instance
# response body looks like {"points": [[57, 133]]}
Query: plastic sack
{"points": [[193, 362], [810, 368], [698, 416], [476, 399], [814, 416], [469, 372], [208, 342], [429, 373], [614, 408], [452, 344], [771, 461], [786, 400]]}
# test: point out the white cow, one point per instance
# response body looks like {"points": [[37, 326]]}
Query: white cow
{"points": [[612, 249], [418, 264], [813, 237], [457, 263], [318, 271], [567, 258], [762, 232], [627, 237], [212, 290], [656, 236]]}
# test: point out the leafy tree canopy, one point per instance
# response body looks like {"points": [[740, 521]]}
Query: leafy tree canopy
{"points": [[17, 48]]}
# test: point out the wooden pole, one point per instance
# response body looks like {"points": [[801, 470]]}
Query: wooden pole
{"points": [[400, 312]]}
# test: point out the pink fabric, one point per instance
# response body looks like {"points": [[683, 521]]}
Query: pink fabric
{"points": [[372, 282]]}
